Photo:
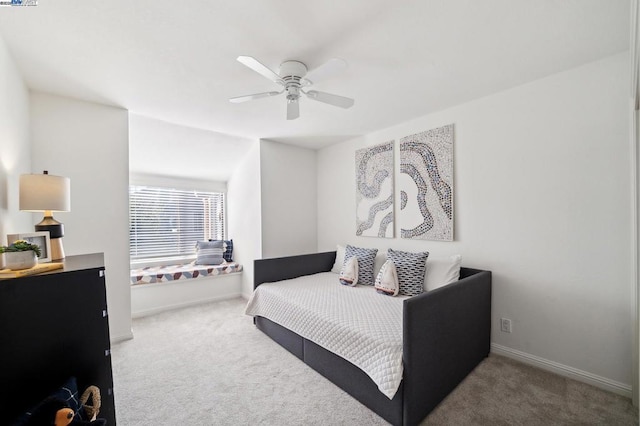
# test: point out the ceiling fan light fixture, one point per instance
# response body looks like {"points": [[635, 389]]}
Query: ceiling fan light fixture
{"points": [[293, 92]]}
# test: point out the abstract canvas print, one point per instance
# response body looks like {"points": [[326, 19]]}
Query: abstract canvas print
{"points": [[426, 185], [374, 191]]}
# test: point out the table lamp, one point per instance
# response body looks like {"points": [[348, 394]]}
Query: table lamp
{"points": [[47, 193]]}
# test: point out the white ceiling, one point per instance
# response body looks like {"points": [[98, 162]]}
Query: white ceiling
{"points": [[176, 61]]}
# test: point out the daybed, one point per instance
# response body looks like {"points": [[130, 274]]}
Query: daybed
{"points": [[445, 334]]}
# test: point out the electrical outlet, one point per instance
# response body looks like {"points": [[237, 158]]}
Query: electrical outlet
{"points": [[505, 325]]}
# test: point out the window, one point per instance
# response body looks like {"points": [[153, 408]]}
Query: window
{"points": [[167, 222]]}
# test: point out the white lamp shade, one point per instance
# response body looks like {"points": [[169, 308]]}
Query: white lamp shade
{"points": [[45, 192]]}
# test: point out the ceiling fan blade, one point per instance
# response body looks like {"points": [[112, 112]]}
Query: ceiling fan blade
{"points": [[328, 98], [293, 110], [258, 67], [245, 98], [327, 70]]}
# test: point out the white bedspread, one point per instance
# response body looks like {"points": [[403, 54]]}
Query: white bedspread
{"points": [[356, 323]]}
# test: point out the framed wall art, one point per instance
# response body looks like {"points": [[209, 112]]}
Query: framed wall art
{"points": [[374, 191], [40, 238], [426, 185]]}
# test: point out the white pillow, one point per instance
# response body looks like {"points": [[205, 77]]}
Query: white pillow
{"points": [[380, 259], [442, 270], [337, 265]]}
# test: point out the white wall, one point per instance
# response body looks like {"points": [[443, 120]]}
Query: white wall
{"points": [[635, 145], [176, 182], [160, 148], [150, 299], [15, 149], [289, 199], [542, 199], [271, 200], [244, 220], [88, 143]]}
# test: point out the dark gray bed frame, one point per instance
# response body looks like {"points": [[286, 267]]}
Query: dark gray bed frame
{"points": [[446, 333]]}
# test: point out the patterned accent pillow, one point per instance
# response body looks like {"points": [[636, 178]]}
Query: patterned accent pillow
{"points": [[209, 252], [366, 258], [411, 268], [228, 251], [387, 279]]}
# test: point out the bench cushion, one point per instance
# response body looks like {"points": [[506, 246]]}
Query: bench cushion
{"points": [[159, 274]]}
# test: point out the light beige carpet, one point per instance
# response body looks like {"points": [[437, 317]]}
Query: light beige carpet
{"points": [[208, 365]]}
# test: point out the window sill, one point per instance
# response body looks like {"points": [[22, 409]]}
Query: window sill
{"points": [[161, 261]]}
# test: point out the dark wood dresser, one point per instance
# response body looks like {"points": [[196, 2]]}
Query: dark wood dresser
{"points": [[53, 326]]}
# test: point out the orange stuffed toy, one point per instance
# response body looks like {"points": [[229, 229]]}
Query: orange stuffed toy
{"points": [[64, 417]]}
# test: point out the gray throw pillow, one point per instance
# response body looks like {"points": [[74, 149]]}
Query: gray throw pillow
{"points": [[209, 252]]}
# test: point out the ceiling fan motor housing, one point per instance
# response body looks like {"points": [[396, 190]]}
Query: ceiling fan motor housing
{"points": [[292, 69]]}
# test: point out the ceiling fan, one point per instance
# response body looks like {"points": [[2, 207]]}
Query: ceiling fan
{"points": [[293, 78]]}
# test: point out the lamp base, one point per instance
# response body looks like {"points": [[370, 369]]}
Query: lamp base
{"points": [[57, 251], [48, 223], [56, 231]]}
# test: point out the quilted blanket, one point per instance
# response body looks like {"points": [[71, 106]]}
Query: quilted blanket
{"points": [[356, 323]]}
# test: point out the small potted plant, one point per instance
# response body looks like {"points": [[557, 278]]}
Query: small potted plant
{"points": [[20, 254]]}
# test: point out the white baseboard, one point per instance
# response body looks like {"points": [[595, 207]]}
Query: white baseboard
{"points": [[165, 308], [563, 370], [122, 337]]}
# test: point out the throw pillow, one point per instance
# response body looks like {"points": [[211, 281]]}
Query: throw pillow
{"points": [[366, 258], [411, 269], [339, 263], [228, 251], [349, 273], [442, 270], [209, 252], [381, 258], [387, 279]]}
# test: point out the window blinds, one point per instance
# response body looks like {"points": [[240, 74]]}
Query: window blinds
{"points": [[167, 222]]}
